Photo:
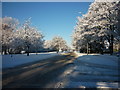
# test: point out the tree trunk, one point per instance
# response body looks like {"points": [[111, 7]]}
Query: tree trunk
{"points": [[101, 45], [111, 45], [27, 53], [27, 50], [87, 48], [5, 51], [119, 46], [111, 40]]}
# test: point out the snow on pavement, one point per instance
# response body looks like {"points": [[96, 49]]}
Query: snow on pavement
{"points": [[19, 59], [91, 71]]}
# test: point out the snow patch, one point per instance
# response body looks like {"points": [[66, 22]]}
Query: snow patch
{"points": [[19, 59], [92, 71]]}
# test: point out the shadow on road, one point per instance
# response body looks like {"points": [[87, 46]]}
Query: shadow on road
{"points": [[37, 74]]}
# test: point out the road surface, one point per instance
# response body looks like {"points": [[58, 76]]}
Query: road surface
{"points": [[65, 71], [40, 74]]}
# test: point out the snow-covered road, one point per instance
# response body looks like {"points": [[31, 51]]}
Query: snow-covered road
{"points": [[92, 71], [40, 74]]}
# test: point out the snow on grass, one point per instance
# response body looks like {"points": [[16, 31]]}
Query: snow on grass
{"points": [[99, 59], [19, 59], [92, 71]]}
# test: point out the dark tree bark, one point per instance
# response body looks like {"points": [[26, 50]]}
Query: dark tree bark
{"points": [[111, 40], [111, 45], [28, 50]]}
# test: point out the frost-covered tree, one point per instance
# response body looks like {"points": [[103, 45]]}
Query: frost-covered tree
{"points": [[107, 18], [9, 25], [28, 38], [0, 35], [58, 43], [100, 23], [23, 38], [48, 45]]}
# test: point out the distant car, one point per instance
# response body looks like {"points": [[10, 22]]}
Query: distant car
{"points": [[22, 52]]}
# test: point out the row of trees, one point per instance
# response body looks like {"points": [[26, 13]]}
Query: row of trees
{"points": [[99, 28], [16, 38], [96, 30]]}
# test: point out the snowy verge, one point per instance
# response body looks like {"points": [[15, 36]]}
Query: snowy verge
{"points": [[99, 59], [19, 59], [91, 71]]}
